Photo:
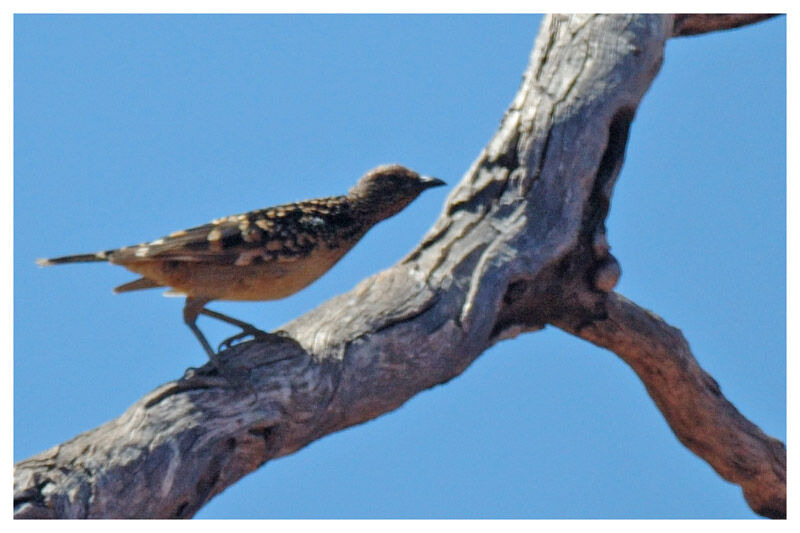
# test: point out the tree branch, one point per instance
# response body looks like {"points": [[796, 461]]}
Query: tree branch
{"points": [[520, 243], [696, 23], [692, 402]]}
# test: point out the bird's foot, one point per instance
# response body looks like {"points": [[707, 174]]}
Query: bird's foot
{"points": [[249, 331]]}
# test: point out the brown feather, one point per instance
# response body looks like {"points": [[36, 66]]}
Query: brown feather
{"points": [[139, 284]]}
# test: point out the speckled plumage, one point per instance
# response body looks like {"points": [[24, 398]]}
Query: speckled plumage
{"points": [[266, 254]]}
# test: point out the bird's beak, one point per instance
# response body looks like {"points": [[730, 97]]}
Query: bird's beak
{"points": [[428, 182]]}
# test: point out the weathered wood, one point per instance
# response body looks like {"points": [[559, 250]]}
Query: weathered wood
{"points": [[520, 243]]}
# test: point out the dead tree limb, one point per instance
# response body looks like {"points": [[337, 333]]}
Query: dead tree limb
{"points": [[691, 401], [521, 243], [696, 23]]}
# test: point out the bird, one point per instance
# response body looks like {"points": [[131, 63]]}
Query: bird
{"points": [[261, 255]]}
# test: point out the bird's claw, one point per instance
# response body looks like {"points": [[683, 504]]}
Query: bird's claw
{"points": [[246, 332]]}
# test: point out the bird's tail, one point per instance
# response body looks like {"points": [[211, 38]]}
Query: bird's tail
{"points": [[80, 258]]}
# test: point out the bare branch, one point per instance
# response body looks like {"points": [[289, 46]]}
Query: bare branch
{"points": [[692, 402], [520, 243], [696, 23]]}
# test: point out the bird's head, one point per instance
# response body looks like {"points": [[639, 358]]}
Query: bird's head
{"points": [[388, 189]]}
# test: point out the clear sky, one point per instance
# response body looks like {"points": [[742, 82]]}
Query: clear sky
{"points": [[131, 127]]}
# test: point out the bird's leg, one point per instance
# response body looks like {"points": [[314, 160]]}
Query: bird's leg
{"points": [[230, 320], [191, 309], [247, 329]]}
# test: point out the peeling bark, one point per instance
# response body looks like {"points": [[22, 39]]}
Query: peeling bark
{"points": [[520, 243]]}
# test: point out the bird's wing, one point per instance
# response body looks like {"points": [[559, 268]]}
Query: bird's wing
{"points": [[284, 233]]}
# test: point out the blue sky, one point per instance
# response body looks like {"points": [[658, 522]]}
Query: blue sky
{"points": [[130, 127]]}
